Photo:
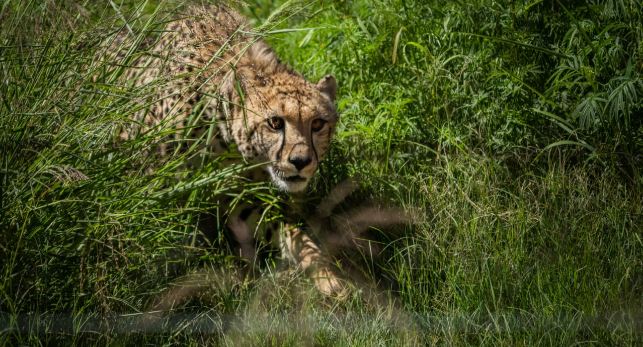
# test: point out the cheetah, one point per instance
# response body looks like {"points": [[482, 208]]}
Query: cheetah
{"points": [[216, 67]]}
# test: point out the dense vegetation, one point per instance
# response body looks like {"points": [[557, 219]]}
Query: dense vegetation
{"points": [[512, 130]]}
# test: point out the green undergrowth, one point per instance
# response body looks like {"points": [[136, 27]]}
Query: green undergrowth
{"points": [[511, 131]]}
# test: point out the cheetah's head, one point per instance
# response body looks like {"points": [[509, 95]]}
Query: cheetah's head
{"points": [[283, 120]]}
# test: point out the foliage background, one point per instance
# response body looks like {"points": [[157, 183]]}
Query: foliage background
{"points": [[513, 127]]}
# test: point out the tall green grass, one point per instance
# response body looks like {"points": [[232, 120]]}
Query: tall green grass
{"points": [[512, 130]]}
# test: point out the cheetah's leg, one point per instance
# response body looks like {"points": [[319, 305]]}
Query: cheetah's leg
{"points": [[295, 245], [303, 251], [256, 240]]}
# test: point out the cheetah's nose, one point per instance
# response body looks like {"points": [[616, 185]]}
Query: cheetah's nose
{"points": [[300, 162]]}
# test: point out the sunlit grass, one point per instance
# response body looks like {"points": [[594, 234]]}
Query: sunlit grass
{"points": [[511, 133]]}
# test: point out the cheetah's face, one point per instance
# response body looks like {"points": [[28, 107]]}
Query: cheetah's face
{"points": [[290, 126]]}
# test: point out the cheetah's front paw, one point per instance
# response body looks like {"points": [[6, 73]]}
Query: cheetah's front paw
{"points": [[329, 284]]}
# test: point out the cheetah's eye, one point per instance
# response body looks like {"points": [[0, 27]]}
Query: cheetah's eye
{"points": [[318, 124], [277, 123]]}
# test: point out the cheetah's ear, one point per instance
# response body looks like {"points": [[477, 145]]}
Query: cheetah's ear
{"points": [[328, 86], [226, 89]]}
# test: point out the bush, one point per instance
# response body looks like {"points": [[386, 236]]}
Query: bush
{"points": [[513, 129]]}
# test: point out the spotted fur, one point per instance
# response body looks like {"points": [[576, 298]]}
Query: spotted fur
{"points": [[211, 64]]}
